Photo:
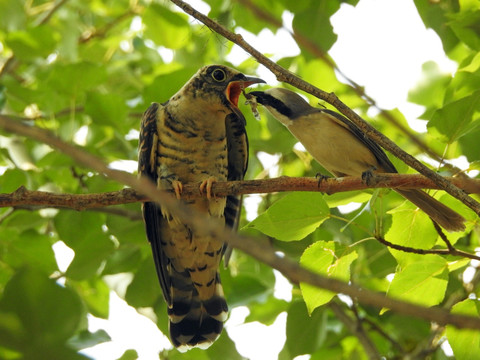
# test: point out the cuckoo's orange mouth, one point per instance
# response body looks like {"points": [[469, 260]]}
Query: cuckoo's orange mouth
{"points": [[235, 88]]}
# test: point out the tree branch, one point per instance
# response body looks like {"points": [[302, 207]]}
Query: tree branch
{"points": [[24, 197], [251, 246], [369, 131]]}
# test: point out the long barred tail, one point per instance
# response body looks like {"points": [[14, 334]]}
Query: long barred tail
{"points": [[195, 322]]}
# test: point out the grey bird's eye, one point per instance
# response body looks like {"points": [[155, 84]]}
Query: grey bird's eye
{"points": [[219, 75]]}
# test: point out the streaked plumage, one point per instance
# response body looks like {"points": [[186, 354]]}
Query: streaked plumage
{"points": [[342, 148], [196, 136]]}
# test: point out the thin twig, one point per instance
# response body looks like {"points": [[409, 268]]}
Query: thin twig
{"points": [[453, 251]]}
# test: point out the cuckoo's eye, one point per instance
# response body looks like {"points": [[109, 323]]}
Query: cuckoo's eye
{"points": [[219, 75]]}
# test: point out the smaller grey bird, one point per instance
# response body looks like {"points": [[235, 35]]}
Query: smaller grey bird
{"points": [[342, 148]]}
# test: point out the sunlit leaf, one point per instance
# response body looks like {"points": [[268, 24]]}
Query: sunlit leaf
{"points": [[465, 343], [329, 260], [293, 217], [422, 282]]}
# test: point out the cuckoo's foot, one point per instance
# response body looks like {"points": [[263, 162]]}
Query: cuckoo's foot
{"points": [[206, 186], [178, 188]]}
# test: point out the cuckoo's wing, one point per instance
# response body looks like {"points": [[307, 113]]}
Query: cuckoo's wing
{"points": [[377, 151], [147, 167], [237, 145]]}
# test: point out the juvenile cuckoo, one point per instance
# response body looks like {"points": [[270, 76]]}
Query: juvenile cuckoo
{"points": [[198, 135], [342, 148]]}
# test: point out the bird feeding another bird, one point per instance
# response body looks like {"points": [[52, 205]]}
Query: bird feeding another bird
{"points": [[341, 147]]}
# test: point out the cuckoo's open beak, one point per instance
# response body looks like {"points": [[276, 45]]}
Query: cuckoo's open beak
{"points": [[235, 87]]}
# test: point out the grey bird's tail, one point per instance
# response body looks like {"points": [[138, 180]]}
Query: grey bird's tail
{"points": [[441, 214], [195, 322]]}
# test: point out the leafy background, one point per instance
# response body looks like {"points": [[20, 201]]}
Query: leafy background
{"points": [[86, 71]]}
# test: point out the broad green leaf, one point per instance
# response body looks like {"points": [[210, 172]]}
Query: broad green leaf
{"points": [[124, 259], [12, 15], [465, 26], [465, 343], [314, 23], [49, 313], [437, 17], [456, 119], [423, 282], [31, 248], [145, 288], [89, 257], [74, 78], [268, 311], [293, 217], [247, 289], [12, 179], [87, 339], [410, 227], [305, 333], [95, 294], [106, 109], [347, 197], [473, 66], [35, 42], [73, 227], [166, 28], [430, 90], [327, 259], [129, 355]]}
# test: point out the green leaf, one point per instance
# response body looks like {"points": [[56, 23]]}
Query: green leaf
{"points": [[33, 249], [106, 109], [327, 259], [124, 259], [49, 313], [12, 179], [39, 41], [347, 197], [87, 339], [268, 311], [74, 79], [12, 15], [293, 217], [465, 343], [247, 289], [166, 28], [129, 355], [410, 227], [144, 289], [456, 119], [423, 282], [465, 26], [314, 23], [95, 294], [430, 90], [305, 333], [89, 257]]}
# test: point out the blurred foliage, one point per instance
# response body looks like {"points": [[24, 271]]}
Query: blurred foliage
{"points": [[86, 70]]}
